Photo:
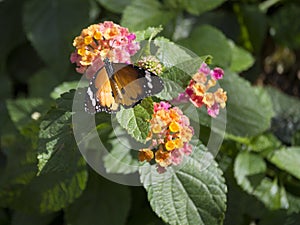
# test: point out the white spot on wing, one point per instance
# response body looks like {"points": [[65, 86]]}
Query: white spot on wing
{"points": [[91, 96], [150, 85]]}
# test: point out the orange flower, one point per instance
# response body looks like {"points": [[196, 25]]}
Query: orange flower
{"points": [[174, 115], [170, 132], [199, 89], [178, 143], [100, 41], [145, 154], [163, 157]]}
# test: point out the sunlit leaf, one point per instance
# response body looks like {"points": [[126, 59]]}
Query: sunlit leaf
{"points": [[287, 159], [241, 59], [136, 120], [191, 195], [249, 171]]}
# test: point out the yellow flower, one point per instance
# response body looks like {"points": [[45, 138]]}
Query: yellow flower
{"points": [[174, 127], [88, 40], [97, 35], [208, 99], [170, 145]]}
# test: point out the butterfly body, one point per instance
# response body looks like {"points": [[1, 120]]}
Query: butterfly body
{"points": [[118, 84]]}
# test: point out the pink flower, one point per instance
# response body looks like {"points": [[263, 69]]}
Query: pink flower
{"points": [[131, 37], [176, 156], [213, 111], [162, 105], [204, 69], [217, 73], [170, 131], [96, 65], [187, 149], [198, 90], [104, 40], [160, 169], [181, 98]]}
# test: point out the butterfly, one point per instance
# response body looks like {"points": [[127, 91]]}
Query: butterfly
{"points": [[117, 84]]}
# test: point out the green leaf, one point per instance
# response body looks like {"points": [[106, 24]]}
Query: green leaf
{"points": [[64, 87], [150, 32], [201, 6], [248, 164], [153, 14], [242, 118], [284, 104], [171, 55], [287, 159], [122, 157], [25, 113], [170, 91], [115, 6], [57, 187], [241, 59], [195, 194], [102, 202], [207, 40], [249, 171], [135, 120], [241, 207], [62, 171], [264, 142], [294, 203], [20, 168], [51, 25]]}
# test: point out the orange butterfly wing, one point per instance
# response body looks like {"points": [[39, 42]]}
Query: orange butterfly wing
{"points": [[118, 84]]}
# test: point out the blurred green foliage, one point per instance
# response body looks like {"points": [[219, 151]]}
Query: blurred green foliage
{"points": [[44, 179]]}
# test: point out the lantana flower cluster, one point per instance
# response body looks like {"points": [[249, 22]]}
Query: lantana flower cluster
{"points": [[170, 134], [198, 90], [102, 40], [151, 63]]}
